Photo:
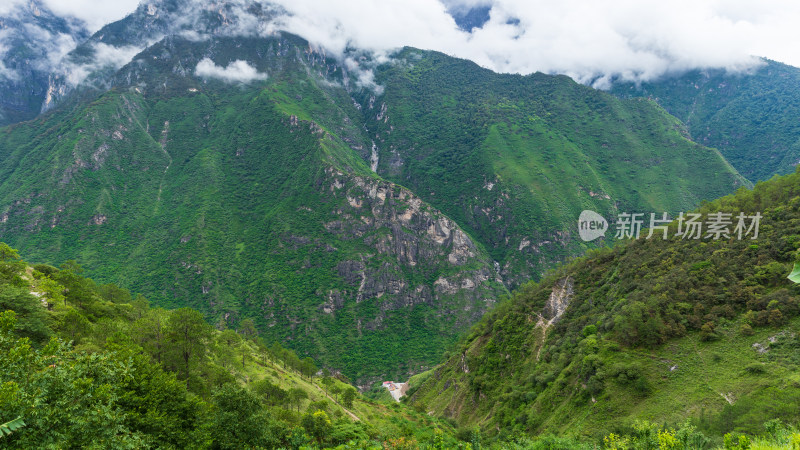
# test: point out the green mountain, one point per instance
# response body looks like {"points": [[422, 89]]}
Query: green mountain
{"points": [[366, 225], [659, 330], [752, 117], [239, 202], [515, 159]]}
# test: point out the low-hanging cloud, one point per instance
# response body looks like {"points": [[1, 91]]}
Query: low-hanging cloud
{"points": [[104, 57], [7, 74], [26, 43], [238, 71], [94, 14], [592, 41]]}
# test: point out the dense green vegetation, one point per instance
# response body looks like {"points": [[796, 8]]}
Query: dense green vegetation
{"points": [[660, 330], [89, 366], [273, 218], [751, 117]]}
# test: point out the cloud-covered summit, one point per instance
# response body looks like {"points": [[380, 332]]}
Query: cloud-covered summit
{"points": [[592, 41]]}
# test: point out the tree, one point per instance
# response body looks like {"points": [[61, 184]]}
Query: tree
{"points": [[150, 330], [296, 396], [187, 334], [348, 396], [317, 425], [327, 383], [53, 292], [158, 404], [307, 367], [11, 267], [140, 306], [336, 390], [75, 324], [78, 290], [114, 293], [270, 393], [247, 328], [32, 320], [239, 420], [68, 399], [230, 342], [7, 253], [72, 266]]}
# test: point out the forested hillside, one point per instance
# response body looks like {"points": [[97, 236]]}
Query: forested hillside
{"points": [[89, 366], [246, 202], [751, 116], [244, 216], [515, 159], [86, 365], [697, 331]]}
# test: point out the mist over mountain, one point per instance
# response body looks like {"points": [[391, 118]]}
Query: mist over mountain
{"points": [[32, 42]]}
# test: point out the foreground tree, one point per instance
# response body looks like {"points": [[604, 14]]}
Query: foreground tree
{"points": [[187, 334]]}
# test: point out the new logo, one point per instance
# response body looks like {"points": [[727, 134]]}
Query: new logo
{"points": [[591, 225]]}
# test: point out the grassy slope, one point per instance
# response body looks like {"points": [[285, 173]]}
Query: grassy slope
{"points": [[652, 303]]}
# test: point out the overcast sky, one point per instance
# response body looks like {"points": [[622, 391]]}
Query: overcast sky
{"points": [[635, 39]]}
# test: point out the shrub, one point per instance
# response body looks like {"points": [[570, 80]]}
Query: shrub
{"points": [[755, 368]]}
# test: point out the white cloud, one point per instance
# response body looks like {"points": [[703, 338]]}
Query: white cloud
{"points": [[236, 72], [95, 14], [9, 6], [52, 47], [588, 40], [105, 56], [8, 74]]}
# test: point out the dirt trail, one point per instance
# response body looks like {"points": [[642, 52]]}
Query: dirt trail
{"points": [[349, 413]]}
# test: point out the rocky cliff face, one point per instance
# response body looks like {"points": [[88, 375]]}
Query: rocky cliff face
{"points": [[403, 233]]}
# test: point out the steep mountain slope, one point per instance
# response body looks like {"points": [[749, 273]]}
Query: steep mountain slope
{"points": [[231, 199], [751, 117], [662, 330], [516, 159], [32, 42], [231, 168]]}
